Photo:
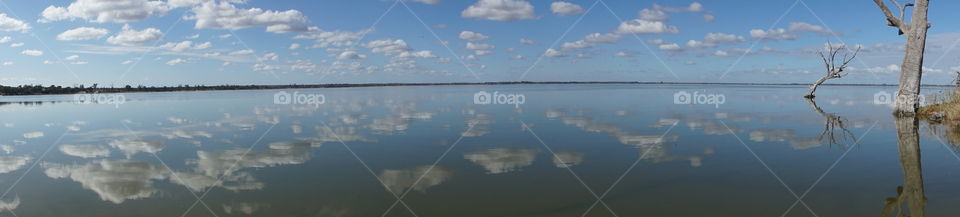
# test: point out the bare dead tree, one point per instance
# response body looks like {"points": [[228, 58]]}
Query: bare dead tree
{"points": [[834, 66], [916, 38]]}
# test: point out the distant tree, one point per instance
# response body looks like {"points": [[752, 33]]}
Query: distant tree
{"points": [[834, 66], [916, 38]]}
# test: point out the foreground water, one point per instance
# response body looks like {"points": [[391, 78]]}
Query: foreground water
{"points": [[567, 150]]}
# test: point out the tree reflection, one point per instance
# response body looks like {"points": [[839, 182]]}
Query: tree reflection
{"points": [[910, 199], [835, 130]]}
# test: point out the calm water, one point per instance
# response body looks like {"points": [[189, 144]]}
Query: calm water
{"points": [[575, 150]]}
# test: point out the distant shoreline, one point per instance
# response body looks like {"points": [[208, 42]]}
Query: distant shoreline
{"points": [[59, 90]]}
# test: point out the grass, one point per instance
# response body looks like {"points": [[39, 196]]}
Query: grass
{"points": [[942, 107]]}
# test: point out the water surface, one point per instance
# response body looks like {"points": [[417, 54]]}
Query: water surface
{"points": [[568, 150]]}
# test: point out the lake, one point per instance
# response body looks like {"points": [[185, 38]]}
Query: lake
{"points": [[510, 150]]}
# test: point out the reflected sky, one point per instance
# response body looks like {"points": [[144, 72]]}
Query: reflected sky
{"points": [[444, 155]]}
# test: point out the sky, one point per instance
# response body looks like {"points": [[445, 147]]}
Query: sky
{"points": [[211, 42]]}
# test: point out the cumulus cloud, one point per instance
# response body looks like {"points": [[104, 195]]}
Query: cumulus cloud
{"points": [[527, 41], [225, 15], [5, 39], [553, 53], [129, 37], [10, 24], [652, 15], [721, 53], [102, 11], [807, 27], [186, 45], [479, 46], [638, 26], [177, 61], [32, 53], [723, 38], [472, 36], [562, 8], [670, 47], [12, 163], [82, 33], [351, 55], [500, 10], [772, 34], [388, 47], [333, 39]]}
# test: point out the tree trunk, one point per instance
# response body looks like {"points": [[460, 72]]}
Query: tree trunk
{"points": [[912, 68], [813, 88], [909, 146]]}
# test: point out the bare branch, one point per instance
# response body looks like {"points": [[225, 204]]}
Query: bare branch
{"points": [[891, 19]]}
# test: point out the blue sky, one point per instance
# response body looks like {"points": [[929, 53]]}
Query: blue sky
{"points": [[154, 42]]}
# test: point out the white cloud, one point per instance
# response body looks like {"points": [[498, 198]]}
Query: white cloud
{"points": [[195, 36], [652, 15], [388, 47], [638, 26], [177, 61], [553, 53], [71, 58], [772, 34], [807, 27], [695, 7], [114, 181], [12, 163], [351, 55], [602, 38], [186, 45], [699, 44], [500, 10], [102, 11], [82, 33], [623, 54], [424, 54], [479, 46], [670, 47], [32, 53], [709, 18], [224, 15], [503, 160], [132, 37], [5, 39], [338, 38], [17, 44], [418, 179], [527, 41], [721, 53], [562, 8], [472, 36], [579, 44], [241, 52], [10, 24], [224, 36], [294, 46], [723, 38]]}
